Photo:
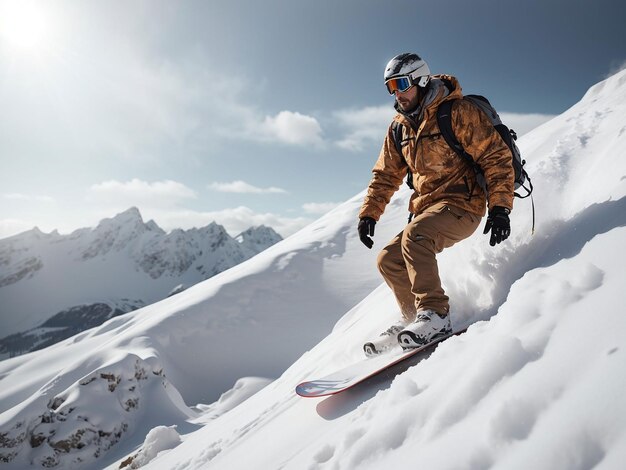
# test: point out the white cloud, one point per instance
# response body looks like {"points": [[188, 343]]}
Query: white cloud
{"points": [[163, 202], [22, 212], [524, 123], [28, 197], [319, 208], [235, 220], [127, 105], [244, 188], [368, 125], [291, 128], [136, 192], [363, 126], [10, 227]]}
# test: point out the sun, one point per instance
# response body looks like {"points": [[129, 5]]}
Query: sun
{"points": [[22, 25]]}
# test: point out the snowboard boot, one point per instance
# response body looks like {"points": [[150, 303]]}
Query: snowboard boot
{"points": [[386, 340], [427, 327]]}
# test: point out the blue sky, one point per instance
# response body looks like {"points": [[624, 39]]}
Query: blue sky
{"points": [[248, 112]]}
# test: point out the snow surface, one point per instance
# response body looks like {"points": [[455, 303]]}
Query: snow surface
{"points": [[158, 440], [243, 389], [536, 382]]}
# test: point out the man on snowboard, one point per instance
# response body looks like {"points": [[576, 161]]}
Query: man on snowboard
{"points": [[447, 203]]}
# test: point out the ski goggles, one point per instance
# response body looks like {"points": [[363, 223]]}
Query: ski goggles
{"points": [[400, 84], [404, 82]]}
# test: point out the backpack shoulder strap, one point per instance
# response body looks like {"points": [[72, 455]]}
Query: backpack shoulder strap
{"points": [[444, 121], [397, 131]]}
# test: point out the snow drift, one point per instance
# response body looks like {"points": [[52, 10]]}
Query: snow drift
{"points": [[539, 384]]}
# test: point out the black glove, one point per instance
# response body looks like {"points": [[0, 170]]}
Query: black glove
{"points": [[366, 230], [499, 224]]}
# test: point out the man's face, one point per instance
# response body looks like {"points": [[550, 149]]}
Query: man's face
{"points": [[409, 99]]}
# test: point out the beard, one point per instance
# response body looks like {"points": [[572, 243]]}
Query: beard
{"points": [[409, 105]]}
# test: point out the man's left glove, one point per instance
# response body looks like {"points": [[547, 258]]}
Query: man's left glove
{"points": [[499, 224], [366, 230]]}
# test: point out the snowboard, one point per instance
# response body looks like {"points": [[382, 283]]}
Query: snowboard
{"points": [[362, 370]]}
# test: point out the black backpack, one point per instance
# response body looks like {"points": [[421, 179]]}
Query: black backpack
{"points": [[509, 136], [444, 120]]}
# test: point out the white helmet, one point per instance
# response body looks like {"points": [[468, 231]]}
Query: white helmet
{"points": [[408, 65]]}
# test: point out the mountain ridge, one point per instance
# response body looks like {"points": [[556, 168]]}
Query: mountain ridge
{"points": [[95, 261]]}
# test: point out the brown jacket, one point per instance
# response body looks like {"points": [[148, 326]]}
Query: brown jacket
{"points": [[439, 174]]}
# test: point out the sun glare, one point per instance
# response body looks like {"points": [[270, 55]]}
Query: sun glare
{"points": [[22, 25]]}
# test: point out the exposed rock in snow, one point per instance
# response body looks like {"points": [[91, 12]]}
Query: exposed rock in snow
{"points": [[62, 430]]}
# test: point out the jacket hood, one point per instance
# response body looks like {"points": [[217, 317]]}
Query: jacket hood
{"points": [[439, 89]]}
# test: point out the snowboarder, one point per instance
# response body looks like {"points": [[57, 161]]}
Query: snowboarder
{"points": [[447, 203]]}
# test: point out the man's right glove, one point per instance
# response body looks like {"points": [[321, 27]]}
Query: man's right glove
{"points": [[499, 224], [366, 230]]}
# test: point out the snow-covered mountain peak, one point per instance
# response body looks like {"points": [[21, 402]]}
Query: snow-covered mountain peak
{"points": [[212, 229], [129, 218], [255, 237], [32, 236], [256, 233], [132, 213], [153, 227], [118, 232], [35, 232], [117, 266]]}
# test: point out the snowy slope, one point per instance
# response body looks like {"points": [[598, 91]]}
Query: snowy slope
{"points": [[537, 386], [516, 392], [252, 320], [82, 279]]}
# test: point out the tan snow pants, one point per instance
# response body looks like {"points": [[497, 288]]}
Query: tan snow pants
{"points": [[408, 263]]}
